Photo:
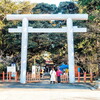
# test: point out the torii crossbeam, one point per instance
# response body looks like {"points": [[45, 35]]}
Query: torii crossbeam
{"points": [[69, 29]]}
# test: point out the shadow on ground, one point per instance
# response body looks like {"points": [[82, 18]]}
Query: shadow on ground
{"points": [[45, 85]]}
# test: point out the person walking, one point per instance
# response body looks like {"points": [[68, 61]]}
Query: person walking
{"points": [[58, 74], [53, 76]]}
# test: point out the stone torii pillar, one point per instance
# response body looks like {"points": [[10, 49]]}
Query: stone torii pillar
{"points": [[24, 45], [69, 29]]}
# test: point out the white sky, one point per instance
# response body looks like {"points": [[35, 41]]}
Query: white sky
{"points": [[45, 1]]}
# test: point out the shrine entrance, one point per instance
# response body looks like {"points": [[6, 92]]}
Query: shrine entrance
{"points": [[69, 29]]}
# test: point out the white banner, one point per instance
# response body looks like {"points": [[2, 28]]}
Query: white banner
{"points": [[33, 71], [12, 70]]}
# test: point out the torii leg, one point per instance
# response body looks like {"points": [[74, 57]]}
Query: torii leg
{"points": [[70, 50], [24, 50]]}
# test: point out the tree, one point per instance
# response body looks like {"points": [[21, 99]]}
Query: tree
{"points": [[10, 43], [67, 8], [44, 8], [92, 8], [55, 43]]}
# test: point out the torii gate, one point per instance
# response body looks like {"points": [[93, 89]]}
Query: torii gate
{"points": [[69, 29]]}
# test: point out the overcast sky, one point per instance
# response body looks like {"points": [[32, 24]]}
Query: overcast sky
{"points": [[45, 1]]}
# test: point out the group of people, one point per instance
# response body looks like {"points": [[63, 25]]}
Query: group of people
{"points": [[55, 76]]}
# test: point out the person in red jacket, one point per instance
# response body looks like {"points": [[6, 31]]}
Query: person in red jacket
{"points": [[58, 74]]}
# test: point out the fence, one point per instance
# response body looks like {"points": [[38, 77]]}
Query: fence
{"points": [[84, 77], [32, 78], [64, 78], [9, 77]]}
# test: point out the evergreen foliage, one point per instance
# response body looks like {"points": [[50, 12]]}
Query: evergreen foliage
{"points": [[87, 45]]}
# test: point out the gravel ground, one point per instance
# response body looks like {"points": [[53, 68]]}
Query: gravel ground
{"points": [[46, 91], [48, 94]]}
